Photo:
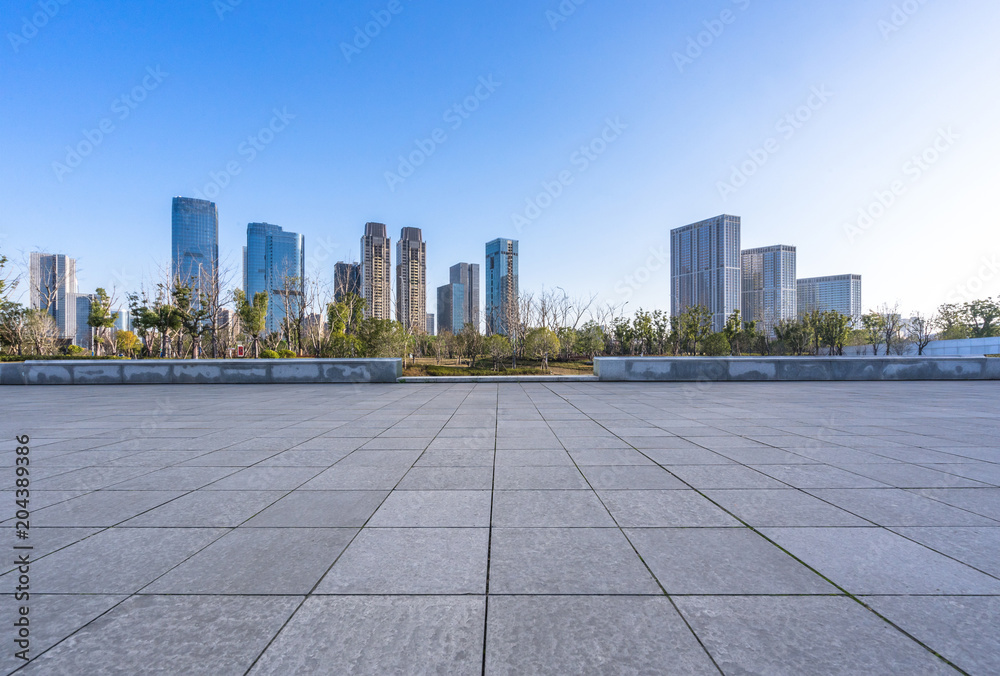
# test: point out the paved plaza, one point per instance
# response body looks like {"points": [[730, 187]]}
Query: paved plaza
{"points": [[565, 528]]}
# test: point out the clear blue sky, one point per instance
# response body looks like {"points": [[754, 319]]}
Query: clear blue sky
{"points": [[680, 127]]}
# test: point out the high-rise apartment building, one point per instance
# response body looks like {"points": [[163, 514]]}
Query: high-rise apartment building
{"points": [[467, 274], [706, 268], [274, 263], [411, 279], [54, 289], [346, 280], [501, 285], [769, 286], [376, 272], [451, 308], [838, 292], [194, 258]]}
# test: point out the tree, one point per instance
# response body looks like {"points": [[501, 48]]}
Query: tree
{"points": [[716, 345], [101, 319], [591, 339], [541, 343], [892, 326], [253, 316], [12, 318], [982, 317], [41, 332], [193, 311], [695, 326], [127, 343], [568, 337], [874, 327], [920, 331], [498, 347], [834, 330], [793, 335], [953, 320], [470, 343]]}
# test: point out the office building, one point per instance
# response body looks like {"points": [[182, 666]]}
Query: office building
{"points": [[274, 263], [84, 331], [451, 308], [467, 274], [411, 280], [501, 286], [376, 272], [706, 268], [54, 289], [346, 280], [430, 325], [839, 292], [769, 286], [194, 258]]}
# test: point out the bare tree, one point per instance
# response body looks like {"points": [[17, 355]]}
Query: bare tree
{"points": [[920, 330], [892, 327]]}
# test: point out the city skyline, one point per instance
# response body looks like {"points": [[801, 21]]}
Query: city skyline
{"points": [[837, 151]]}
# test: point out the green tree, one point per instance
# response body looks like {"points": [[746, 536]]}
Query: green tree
{"points": [[874, 326], [953, 321], [793, 335], [253, 316], [498, 347], [591, 339], [982, 317], [834, 330], [470, 343], [101, 319], [695, 327], [127, 343], [716, 345], [542, 343], [568, 337]]}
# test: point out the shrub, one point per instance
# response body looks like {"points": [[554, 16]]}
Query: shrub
{"points": [[287, 354], [269, 354], [717, 345]]}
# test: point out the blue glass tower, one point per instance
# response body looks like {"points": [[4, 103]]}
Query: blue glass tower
{"points": [[501, 285], [194, 258], [274, 263]]}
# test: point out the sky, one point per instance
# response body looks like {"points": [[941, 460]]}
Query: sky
{"points": [[863, 132]]}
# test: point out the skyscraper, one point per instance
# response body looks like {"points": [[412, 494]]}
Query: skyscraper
{"points": [[376, 272], [411, 280], [346, 280], [451, 308], [194, 258], [274, 263], [769, 286], [54, 289], [430, 324], [706, 268], [501, 285], [838, 292], [84, 331], [467, 274]]}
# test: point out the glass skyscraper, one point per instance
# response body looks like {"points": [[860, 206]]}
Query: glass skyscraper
{"points": [[706, 268], [274, 262], [194, 256], [467, 274], [451, 308], [501, 285], [769, 286], [838, 292], [346, 280]]}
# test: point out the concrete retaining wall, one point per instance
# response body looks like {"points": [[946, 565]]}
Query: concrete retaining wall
{"points": [[202, 372], [695, 369], [967, 347]]}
